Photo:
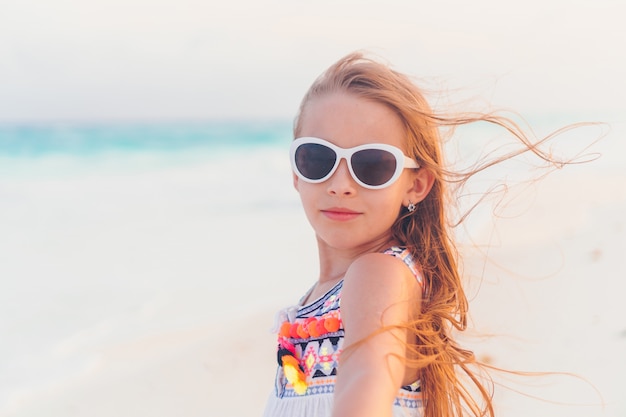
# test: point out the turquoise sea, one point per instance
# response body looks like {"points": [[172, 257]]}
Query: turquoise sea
{"points": [[91, 139], [29, 149]]}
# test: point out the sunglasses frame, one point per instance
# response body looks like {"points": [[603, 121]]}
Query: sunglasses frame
{"points": [[402, 161]]}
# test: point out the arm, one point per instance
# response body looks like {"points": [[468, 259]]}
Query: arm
{"points": [[379, 290]]}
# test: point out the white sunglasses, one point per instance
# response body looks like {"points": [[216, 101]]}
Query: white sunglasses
{"points": [[373, 166]]}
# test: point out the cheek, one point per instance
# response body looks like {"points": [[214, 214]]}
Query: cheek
{"points": [[394, 195], [387, 204], [395, 204], [295, 180], [307, 194]]}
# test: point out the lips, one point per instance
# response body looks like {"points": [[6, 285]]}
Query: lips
{"points": [[340, 213]]}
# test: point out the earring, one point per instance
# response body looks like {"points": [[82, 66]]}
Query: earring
{"points": [[411, 207]]}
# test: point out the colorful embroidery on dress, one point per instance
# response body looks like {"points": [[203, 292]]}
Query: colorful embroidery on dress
{"points": [[309, 344], [305, 348]]}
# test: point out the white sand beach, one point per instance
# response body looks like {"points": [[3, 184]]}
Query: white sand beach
{"points": [[152, 292]]}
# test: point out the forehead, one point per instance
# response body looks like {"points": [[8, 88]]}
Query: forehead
{"points": [[348, 120]]}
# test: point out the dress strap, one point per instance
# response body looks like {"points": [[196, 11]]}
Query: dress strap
{"points": [[407, 257]]}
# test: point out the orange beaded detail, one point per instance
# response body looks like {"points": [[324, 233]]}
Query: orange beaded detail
{"points": [[311, 327]]}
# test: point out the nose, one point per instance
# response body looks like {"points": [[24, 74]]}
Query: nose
{"points": [[341, 182]]}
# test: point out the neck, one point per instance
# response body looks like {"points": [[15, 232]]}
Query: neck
{"points": [[334, 262]]}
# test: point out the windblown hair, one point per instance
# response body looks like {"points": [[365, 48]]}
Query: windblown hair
{"points": [[445, 369]]}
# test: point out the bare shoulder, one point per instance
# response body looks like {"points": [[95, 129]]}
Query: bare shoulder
{"points": [[380, 271], [375, 282]]}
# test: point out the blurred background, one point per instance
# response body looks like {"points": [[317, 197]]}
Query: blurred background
{"points": [[147, 217], [64, 60]]}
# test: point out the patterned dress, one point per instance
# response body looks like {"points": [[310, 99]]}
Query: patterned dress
{"points": [[310, 340]]}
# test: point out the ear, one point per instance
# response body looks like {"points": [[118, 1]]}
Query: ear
{"points": [[423, 181]]}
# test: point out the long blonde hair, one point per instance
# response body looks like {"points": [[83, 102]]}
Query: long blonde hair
{"points": [[427, 232]]}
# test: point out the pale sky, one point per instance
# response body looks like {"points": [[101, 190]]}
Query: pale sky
{"points": [[90, 60]]}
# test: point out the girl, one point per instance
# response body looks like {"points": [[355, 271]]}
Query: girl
{"points": [[373, 336]]}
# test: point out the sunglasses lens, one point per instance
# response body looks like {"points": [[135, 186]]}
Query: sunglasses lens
{"points": [[314, 161], [374, 166]]}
